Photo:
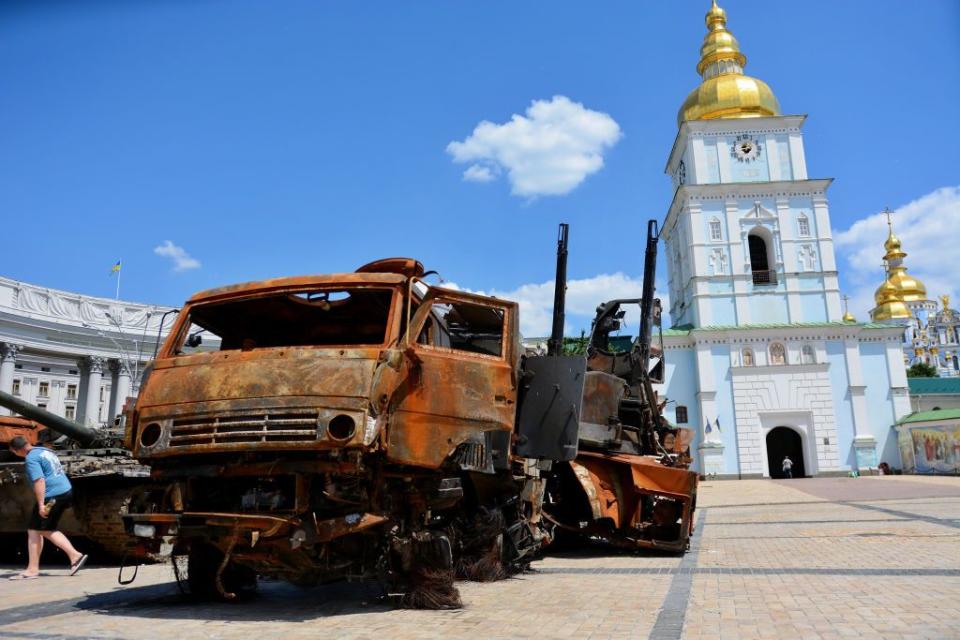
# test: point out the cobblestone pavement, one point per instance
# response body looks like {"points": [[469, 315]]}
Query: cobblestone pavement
{"points": [[815, 558]]}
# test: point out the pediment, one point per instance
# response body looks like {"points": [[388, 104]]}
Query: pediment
{"points": [[759, 212]]}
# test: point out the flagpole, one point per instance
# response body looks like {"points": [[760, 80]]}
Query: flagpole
{"points": [[119, 272]]}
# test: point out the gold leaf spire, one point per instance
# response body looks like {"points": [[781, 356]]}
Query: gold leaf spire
{"points": [[725, 91], [847, 316], [899, 287]]}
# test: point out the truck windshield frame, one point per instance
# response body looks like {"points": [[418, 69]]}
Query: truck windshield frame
{"points": [[362, 316]]}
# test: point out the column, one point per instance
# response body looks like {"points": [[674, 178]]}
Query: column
{"points": [[8, 360], [91, 414], [119, 386], [864, 444]]}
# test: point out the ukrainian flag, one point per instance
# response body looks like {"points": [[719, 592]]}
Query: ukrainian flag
{"points": [[115, 268]]}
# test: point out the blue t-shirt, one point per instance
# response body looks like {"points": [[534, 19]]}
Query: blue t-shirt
{"points": [[43, 463]]}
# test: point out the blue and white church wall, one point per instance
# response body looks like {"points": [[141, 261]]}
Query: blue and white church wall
{"points": [[714, 279], [838, 385]]}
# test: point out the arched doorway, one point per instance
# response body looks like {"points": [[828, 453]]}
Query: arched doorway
{"points": [[784, 441]]}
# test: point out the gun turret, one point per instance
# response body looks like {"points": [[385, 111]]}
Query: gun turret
{"points": [[84, 435]]}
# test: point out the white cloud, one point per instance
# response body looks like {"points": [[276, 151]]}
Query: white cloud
{"points": [[548, 151], [477, 173], [182, 261], [583, 297], [929, 228]]}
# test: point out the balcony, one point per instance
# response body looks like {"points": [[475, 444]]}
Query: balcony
{"points": [[765, 278]]}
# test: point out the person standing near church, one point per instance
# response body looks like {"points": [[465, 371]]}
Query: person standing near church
{"points": [[787, 467], [53, 493]]}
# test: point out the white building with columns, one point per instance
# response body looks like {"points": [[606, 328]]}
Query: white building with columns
{"points": [[762, 362], [77, 356]]}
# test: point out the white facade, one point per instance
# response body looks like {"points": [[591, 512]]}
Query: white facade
{"points": [[759, 358], [77, 356], [739, 182]]}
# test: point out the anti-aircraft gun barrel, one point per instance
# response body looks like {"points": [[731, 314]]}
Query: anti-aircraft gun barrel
{"points": [[555, 344], [85, 436], [646, 301]]}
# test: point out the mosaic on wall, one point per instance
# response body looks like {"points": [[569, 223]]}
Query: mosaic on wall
{"points": [[930, 449]]}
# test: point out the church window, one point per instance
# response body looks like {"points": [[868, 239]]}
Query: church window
{"points": [[16, 387], [715, 231], [806, 355], [681, 413], [803, 224], [760, 261], [747, 357], [778, 355]]}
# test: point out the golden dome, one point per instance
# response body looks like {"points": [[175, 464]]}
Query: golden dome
{"points": [[899, 287], [848, 317], [909, 289], [725, 91], [889, 305]]}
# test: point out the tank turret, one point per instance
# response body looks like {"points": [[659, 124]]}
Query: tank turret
{"points": [[86, 436]]}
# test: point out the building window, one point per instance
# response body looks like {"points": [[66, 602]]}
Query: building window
{"points": [[42, 405], [715, 232], [803, 226], [18, 366], [70, 412], [71, 392], [748, 357], [45, 369], [73, 372], [103, 391], [44, 390], [760, 261], [778, 355], [681, 413], [806, 355], [16, 387]]}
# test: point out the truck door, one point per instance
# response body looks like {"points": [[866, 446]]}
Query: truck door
{"points": [[460, 397]]}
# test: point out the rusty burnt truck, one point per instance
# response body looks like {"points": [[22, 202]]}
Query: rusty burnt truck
{"points": [[370, 425], [106, 478]]}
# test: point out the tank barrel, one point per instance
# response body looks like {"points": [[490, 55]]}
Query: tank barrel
{"points": [[84, 435], [555, 344]]}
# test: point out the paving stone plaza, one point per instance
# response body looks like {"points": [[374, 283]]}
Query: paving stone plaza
{"points": [[873, 557]]}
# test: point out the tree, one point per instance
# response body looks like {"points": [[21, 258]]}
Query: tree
{"points": [[921, 370]]}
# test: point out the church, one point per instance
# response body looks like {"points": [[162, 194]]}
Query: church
{"points": [[762, 362]]}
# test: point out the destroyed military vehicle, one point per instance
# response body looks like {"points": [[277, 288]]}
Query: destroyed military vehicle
{"points": [[106, 479], [370, 425]]}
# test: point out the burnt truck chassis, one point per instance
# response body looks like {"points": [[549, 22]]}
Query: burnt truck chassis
{"points": [[438, 452]]}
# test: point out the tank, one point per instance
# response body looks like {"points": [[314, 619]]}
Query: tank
{"points": [[106, 479]]}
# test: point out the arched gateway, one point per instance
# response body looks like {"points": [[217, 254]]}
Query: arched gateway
{"points": [[784, 441]]}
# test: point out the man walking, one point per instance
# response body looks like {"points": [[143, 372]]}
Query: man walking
{"points": [[787, 467], [53, 493]]}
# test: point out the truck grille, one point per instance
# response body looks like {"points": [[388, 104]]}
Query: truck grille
{"points": [[273, 426]]}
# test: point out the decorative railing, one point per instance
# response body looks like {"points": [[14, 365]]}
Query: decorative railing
{"points": [[765, 278]]}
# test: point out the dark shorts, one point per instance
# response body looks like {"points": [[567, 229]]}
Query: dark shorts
{"points": [[52, 521]]}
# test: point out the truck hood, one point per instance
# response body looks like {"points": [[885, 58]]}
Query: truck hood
{"points": [[235, 380]]}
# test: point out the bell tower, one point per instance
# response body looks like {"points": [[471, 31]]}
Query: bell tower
{"points": [[747, 236]]}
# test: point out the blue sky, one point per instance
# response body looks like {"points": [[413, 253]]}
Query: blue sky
{"points": [[275, 138]]}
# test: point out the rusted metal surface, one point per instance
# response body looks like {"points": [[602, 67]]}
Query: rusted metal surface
{"points": [[317, 445], [11, 427]]}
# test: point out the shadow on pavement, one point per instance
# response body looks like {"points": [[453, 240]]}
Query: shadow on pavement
{"points": [[274, 601]]}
